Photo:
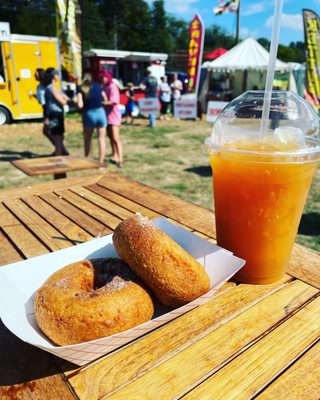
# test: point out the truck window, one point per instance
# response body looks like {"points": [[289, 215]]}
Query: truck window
{"points": [[2, 77]]}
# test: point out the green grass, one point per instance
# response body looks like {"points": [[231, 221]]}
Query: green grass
{"points": [[170, 158]]}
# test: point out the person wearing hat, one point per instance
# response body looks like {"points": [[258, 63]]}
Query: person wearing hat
{"points": [[55, 100]]}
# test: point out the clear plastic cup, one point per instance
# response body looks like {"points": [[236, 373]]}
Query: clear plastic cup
{"points": [[261, 180]]}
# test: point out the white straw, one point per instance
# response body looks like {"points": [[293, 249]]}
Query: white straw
{"points": [[271, 66]]}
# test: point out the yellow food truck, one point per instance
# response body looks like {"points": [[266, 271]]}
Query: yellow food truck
{"points": [[20, 56]]}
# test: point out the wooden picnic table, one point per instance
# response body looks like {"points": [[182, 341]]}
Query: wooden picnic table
{"points": [[249, 341], [58, 166]]}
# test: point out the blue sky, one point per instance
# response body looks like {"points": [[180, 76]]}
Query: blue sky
{"points": [[256, 16]]}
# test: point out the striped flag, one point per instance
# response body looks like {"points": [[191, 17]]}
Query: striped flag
{"points": [[229, 6]]}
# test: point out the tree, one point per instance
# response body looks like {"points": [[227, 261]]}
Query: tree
{"points": [[128, 24], [33, 17], [217, 37], [179, 33], [94, 31], [265, 43], [160, 35]]}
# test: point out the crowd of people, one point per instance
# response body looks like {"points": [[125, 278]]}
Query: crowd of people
{"points": [[98, 100]]}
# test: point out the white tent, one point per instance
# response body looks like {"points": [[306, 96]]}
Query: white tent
{"points": [[241, 68], [246, 55]]}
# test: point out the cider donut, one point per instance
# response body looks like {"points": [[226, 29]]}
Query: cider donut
{"points": [[91, 299], [174, 276]]}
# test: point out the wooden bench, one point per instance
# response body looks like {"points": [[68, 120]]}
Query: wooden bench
{"points": [[56, 165]]}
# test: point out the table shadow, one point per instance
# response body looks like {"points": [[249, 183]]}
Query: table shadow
{"points": [[22, 362], [310, 224], [202, 170], [11, 155]]}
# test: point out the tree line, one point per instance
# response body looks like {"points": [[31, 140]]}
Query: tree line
{"points": [[126, 25]]}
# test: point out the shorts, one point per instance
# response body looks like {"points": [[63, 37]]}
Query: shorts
{"points": [[130, 107], [56, 123], [94, 118]]}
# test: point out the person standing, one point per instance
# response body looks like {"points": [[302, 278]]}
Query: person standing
{"points": [[130, 104], [177, 88], [55, 100], [113, 117], [165, 96], [150, 86], [94, 115], [40, 97]]}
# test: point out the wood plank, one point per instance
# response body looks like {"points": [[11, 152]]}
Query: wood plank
{"points": [[102, 202], [47, 234], [8, 253], [173, 378], [123, 201], [54, 165], [89, 224], [22, 238], [305, 265], [116, 369], [69, 229], [48, 186], [249, 373], [27, 372], [91, 209], [300, 381], [194, 216]]}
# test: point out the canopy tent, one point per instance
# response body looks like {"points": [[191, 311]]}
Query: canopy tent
{"points": [[246, 55], [215, 53], [242, 68]]}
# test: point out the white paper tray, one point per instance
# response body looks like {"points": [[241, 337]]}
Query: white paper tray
{"points": [[19, 282]]}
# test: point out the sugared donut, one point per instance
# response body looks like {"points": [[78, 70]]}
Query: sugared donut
{"points": [[174, 276], [91, 299]]}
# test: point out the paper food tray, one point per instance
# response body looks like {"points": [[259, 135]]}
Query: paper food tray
{"points": [[20, 281]]}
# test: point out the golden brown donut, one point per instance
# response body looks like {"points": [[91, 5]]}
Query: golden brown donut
{"points": [[91, 299], [175, 276]]}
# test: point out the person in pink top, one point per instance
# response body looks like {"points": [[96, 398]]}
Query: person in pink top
{"points": [[113, 116]]}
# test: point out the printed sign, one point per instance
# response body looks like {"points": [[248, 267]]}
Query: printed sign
{"points": [[148, 106], [196, 32], [185, 109], [214, 108], [25, 73], [312, 39], [4, 32]]}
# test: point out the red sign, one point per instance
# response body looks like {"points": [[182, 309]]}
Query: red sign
{"points": [[196, 31]]}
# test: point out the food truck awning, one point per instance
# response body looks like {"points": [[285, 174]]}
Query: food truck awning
{"points": [[126, 55]]}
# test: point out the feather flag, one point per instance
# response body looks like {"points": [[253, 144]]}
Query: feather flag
{"points": [[229, 6]]}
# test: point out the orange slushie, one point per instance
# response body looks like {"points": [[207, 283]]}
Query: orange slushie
{"points": [[258, 206]]}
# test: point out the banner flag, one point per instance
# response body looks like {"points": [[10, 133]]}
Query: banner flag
{"points": [[229, 6], [196, 32], [311, 23], [68, 15]]}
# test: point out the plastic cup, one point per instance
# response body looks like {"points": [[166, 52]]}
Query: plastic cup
{"points": [[260, 181]]}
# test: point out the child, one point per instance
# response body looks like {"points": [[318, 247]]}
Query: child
{"points": [[130, 104]]}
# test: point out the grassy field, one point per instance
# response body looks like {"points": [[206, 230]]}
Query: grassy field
{"points": [[170, 158]]}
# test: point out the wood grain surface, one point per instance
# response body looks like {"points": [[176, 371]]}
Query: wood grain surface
{"points": [[250, 341], [53, 165]]}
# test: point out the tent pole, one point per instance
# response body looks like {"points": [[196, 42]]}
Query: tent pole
{"points": [[245, 80], [238, 23]]}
